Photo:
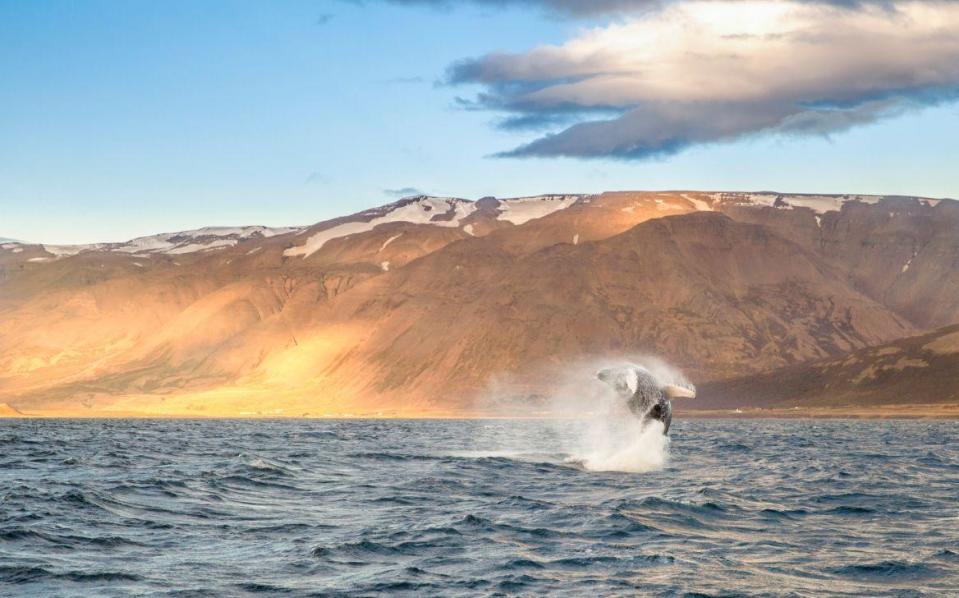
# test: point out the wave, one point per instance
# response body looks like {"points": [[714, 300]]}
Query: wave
{"points": [[426, 507], [888, 570]]}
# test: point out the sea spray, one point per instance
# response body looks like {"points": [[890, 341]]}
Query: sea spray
{"points": [[610, 438], [594, 428], [621, 444]]}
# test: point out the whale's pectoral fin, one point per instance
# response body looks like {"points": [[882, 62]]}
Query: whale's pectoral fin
{"points": [[678, 392]]}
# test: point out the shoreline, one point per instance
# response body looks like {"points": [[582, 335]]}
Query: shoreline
{"points": [[948, 411]]}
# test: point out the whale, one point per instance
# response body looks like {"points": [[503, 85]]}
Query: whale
{"points": [[646, 397]]}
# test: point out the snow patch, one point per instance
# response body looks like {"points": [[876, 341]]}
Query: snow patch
{"points": [[68, 250], [817, 203], [699, 204], [664, 207], [521, 210], [576, 239], [201, 239], [823, 203], [416, 210], [385, 266], [195, 247], [469, 230], [388, 241], [905, 267]]}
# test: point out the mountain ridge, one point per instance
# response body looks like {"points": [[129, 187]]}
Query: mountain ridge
{"points": [[407, 316]]}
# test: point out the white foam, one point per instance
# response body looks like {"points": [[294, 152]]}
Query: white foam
{"points": [[595, 429], [623, 444]]}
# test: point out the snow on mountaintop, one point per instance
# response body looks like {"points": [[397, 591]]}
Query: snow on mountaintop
{"points": [[202, 239], [817, 203], [447, 212], [435, 211], [523, 209], [787, 201], [421, 209]]}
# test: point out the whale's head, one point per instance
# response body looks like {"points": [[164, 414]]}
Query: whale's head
{"points": [[624, 380]]}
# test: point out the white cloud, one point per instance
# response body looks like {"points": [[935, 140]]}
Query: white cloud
{"points": [[706, 71]]}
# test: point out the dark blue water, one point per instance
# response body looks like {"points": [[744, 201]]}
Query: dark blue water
{"points": [[193, 508]]}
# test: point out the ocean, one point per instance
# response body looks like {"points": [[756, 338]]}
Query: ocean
{"points": [[484, 507]]}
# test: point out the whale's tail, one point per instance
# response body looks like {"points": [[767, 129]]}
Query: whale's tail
{"points": [[679, 392]]}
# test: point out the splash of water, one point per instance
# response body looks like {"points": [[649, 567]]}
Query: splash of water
{"points": [[596, 431], [624, 444]]}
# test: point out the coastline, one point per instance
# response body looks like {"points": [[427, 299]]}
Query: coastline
{"points": [[943, 411]]}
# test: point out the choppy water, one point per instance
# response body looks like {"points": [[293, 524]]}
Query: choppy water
{"points": [[793, 508]]}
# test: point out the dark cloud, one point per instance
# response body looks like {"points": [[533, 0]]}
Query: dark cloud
{"points": [[667, 129], [324, 19]]}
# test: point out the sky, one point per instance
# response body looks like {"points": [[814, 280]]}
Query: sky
{"points": [[128, 118]]}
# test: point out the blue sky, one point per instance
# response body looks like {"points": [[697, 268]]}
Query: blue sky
{"points": [[120, 119]]}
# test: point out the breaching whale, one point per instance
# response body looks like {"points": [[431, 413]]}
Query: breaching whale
{"points": [[646, 397]]}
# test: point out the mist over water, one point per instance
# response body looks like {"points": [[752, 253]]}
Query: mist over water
{"points": [[626, 445], [464, 508], [602, 434]]}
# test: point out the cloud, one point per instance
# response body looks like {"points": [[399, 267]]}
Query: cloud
{"points": [[591, 8], [403, 192], [316, 178], [563, 7], [705, 72], [324, 19]]}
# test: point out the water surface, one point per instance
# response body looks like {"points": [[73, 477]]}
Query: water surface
{"points": [[764, 508]]}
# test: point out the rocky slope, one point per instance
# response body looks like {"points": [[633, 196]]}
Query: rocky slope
{"points": [[919, 370], [421, 305]]}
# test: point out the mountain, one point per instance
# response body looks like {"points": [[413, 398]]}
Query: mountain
{"points": [[427, 305], [909, 377]]}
